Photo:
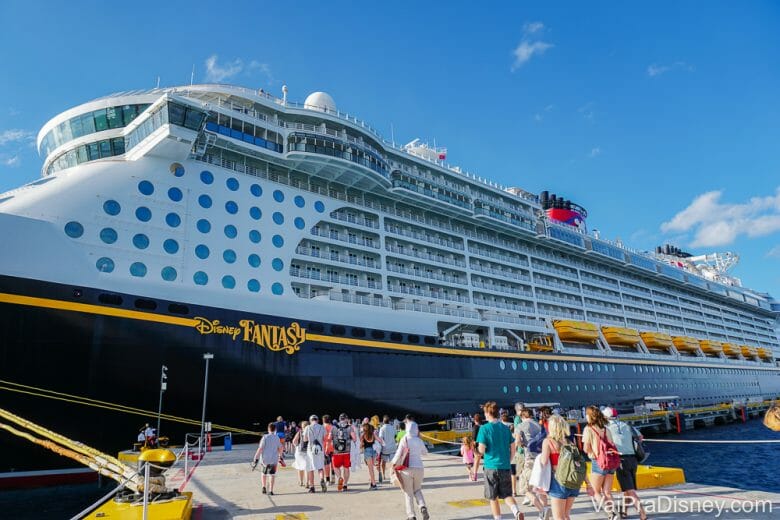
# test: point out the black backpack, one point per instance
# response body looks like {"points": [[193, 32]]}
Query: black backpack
{"points": [[341, 439]]}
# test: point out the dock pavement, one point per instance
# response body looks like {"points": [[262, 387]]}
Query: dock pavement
{"points": [[225, 487]]}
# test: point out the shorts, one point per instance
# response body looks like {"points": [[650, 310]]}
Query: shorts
{"points": [[328, 458], [281, 436], [559, 491], [498, 484], [513, 469], [369, 455], [626, 473], [269, 469], [341, 460], [386, 457], [469, 464], [594, 468]]}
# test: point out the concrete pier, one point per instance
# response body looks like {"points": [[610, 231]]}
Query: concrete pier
{"points": [[225, 487]]}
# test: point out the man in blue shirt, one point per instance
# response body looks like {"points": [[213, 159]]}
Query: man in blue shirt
{"points": [[496, 446]]}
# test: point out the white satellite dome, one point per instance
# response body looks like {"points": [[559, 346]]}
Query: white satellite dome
{"points": [[320, 101]]}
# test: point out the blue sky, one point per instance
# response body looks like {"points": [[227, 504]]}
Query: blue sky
{"points": [[661, 118]]}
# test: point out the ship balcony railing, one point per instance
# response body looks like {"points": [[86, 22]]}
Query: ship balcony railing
{"points": [[640, 303], [363, 158], [438, 183], [425, 256], [601, 295], [499, 272], [603, 308], [503, 206], [498, 256], [370, 223], [558, 299], [562, 286], [557, 314], [326, 277], [560, 272], [342, 237], [423, 237], [509, 220], [685, 305], [337, 134], [502, 289], [502, 305], [419, 273], [246, 111], [359, 298], [435, 309], [590, 279], [558, 259], [602, 320], [630, 290], [340, 258], [664, 298], [438, 295], [443, 197], [506, 244], [640, 315], [488, 316]]}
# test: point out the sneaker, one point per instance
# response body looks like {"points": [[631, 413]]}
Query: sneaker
{"points": [[264, 490], [270, 492], [324, 486], [526, 502], [311, 490], [344, 489], [424, 513], [546, 513], [341, 484], [372, 486]]}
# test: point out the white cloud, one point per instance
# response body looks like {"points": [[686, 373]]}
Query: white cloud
{"points": [[532, 27], [594, 152], [717, 224], [526, 50], [15, 135], [218, 73], [11, 161], [774, 252], [656, 69], [587, 110]]}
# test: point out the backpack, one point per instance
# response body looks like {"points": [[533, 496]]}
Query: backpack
{"points": [[572, 467], [609, 457], [535, 444], [341, 439]]}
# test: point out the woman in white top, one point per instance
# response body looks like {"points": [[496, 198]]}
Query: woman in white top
{"points": [[411, 478], [301, 460]]}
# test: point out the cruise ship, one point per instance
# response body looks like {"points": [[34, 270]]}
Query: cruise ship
{"points": [[328, 269]]}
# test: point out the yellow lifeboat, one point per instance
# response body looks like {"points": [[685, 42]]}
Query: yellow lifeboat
{"points": [[764, 353], [748, 351], [576, 331], [656, 339], [685, 343], [540, 344], [710, 346], [731, 350], [620, 336]]}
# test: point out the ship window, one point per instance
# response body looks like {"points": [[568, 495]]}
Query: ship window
{"points": [[176, 114], [200, 278], [299, 201], [525, 365], [228, 282], [316, 327], [277, 264], [255, 212], [413, 338], [528, 388], [517, 389], [93, 151], [105, 148], [539, 388], [146, 187], [254, 236], [74, 229], [178, 308], [278, 196], [546, 367], [232, 184], [148, 305], [231, 231], [206, 177], [277, 240], [590, 367], [593, 388], [514, 365], [358, 332], [229, 256], [101, 123], [377, 334], [277, 289], [202, 251], [138, 269], [300, 223], [396, 336], [256, 190], [171, 246], [253, 285], [319, 206], [111, 299], [112, 207], [108, 235], [204, 201], [143, 214], [168, 273], [254, 260], [558, 388], [502, 364], [173, 219], [536, 365], [231, 207], [337, 330], [105, 265], [278, 218], [505, 389], [568, 388]]}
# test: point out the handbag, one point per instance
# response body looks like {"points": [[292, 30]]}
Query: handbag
{"points": [[540, 475], [405, 461], [639, 450]]}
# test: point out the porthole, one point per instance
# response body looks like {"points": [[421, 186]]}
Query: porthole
{"points": [[138, 269], [539, 389], [105, 265], [278, 196], [277, 240], [574, 367], [143, 214], [546, 367], [514, 365], [203, 225], [502, 364], [171, 246], [277, 289], [601, 387], [504, 389], [558, 388], [277, 264], [168, 273], [412, 338], [228, 282], [549, 389], [565, 367], [613, 368], [377, 334], [173, 219], [178, 308], [112, 207], [358, 332], [146, 188], [206, 177], [528, 388], [200, 278], [582, 367], [278, 218], [256, 190], [254, 236], [634, 367], [536, 365], [568, 388], [231, 231], [111, 299], [300, 223], [202, 251], [141, 241], [598, 368], [177, 169], [175, 194], [319, 206], [232, 184], [609, 387], [299, 201], [555, 366], [253, 285], [204, 201], [593, 388], [525, 365], [396, 336], [74, 229], [231, 207], [108, 235], [590, 367], [149, 305], [254, 260], [255, 212], [229, 256], [517, 389], [576, 388], [338, 330]]}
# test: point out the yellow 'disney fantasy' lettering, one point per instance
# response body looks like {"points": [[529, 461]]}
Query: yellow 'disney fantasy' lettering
{"points": [[272, 337]]}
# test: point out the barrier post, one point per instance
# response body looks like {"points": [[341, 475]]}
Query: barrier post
{"points": [[186, 457], [579, 437], [146, 491], [744, 419], [677, 417]]}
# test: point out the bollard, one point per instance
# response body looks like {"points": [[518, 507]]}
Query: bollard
{"points": [[229, 442], [677, 417], [744, 419]]}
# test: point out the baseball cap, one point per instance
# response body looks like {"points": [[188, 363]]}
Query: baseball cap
{"points": [[343, 417], [609, 412], [313, 417]]}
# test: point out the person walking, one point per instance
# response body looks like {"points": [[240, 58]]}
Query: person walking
{"points": [[623, 436], [387, 438], [301, 462], [513, 456], [269, 450], [342, 437], [281, 425], [314, 436], [496, 445], [561, 497], [593, 439], [328, 447], [476, 424], [354, 452], [526, 430], [467, 454], [408, 466], [367, 440]]}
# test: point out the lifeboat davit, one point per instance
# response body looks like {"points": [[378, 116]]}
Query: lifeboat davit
{"points": [[620, 336], [748, 351], [576, 331], [731, 350], [657, 340], [685, 343], [711, 347]]}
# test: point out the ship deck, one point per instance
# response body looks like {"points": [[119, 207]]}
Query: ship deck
{"points": [[225, 487]]}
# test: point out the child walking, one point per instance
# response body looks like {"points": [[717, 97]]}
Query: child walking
{"points": [[270, 450], [467, 452]]}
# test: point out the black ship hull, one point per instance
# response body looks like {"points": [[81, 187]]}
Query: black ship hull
{"points": [[110, 347]]}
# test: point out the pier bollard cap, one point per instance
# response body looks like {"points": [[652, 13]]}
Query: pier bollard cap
{"points": [[609, 412]]}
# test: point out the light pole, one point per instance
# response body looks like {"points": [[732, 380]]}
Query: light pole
{"points": [[163, 387], [207, 357]]}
